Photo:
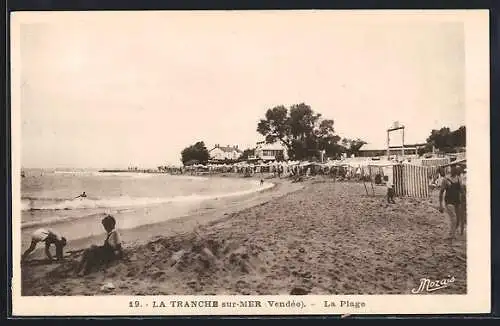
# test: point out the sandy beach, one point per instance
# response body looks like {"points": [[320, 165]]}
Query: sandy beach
{"points": [[312, 237]]}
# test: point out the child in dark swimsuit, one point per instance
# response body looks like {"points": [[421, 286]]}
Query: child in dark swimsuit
{"points": [[99, 255], [390, 193]]}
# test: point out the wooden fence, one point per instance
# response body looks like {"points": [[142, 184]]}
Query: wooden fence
{"points": [[435, 161]]}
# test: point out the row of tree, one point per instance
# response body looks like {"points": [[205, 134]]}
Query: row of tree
{"points": [[446, 140], [305, 134], [195, 154]]}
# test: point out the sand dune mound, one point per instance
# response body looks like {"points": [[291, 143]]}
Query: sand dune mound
{"points": [[201, 260], [198, 255]]}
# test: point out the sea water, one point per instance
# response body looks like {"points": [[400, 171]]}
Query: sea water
{"points": [[49, 198]]}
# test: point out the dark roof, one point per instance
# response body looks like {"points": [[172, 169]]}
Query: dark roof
{"points": [[227, 149], [408, 145], [369, 148]]}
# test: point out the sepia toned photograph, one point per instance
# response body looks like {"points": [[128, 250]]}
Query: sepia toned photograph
{"points": [[266, 153]]}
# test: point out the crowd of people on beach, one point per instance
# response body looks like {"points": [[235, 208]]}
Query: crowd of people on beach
{"points": [[280, 170]]}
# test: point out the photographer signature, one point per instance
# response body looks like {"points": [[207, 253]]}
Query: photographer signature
{"points": [[427, 285]]}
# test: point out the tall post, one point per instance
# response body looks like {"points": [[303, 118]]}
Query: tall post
{"points": [[403, 142], [396, 127], [388, 150]]}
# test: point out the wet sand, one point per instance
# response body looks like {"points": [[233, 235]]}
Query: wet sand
{"points": [[327, 238]]}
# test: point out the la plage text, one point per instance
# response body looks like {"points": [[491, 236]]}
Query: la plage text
{"points": [[344, 304]]}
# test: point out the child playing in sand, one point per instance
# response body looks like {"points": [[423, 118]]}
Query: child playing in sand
{"points": [[390, 193], [99, 255], [49, 237]]}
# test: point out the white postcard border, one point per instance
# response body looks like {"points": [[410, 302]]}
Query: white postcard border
{"points": [[477, 300]]}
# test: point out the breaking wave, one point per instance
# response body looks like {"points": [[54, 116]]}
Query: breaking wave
{"points": [[32, 204], [136, 175]]}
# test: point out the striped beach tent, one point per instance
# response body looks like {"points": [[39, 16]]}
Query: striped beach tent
{"points": [[411, 180]]}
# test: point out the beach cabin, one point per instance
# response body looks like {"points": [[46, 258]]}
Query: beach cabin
{"points": [[224, 153], [370, 150], [271, 151]]}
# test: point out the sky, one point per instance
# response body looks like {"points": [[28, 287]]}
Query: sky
{"points": [[113, 91]]}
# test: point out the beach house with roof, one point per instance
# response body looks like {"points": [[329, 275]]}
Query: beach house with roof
{"points": [[371, 150], [270, 152], [225, 153]]}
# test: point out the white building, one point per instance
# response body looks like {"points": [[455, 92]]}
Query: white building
{"points": [[221, 153], [371, 150], [270, 152]]}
